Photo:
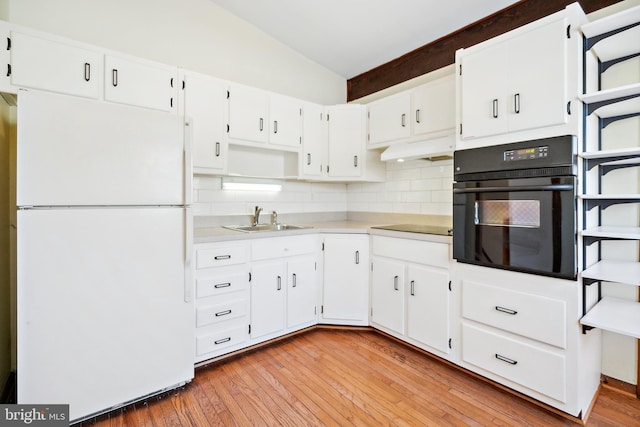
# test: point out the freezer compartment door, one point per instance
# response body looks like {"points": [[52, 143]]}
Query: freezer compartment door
{"points": [[79, 152], [102, 317]]}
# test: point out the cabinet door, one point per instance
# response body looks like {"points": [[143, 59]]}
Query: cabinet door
{"points": [[347, 125], [248, 114], [389, 118], [268, 288], [434, 106], [537, 94], [346, 279], [387, 294], [314, 154], [58, 67], [484, 80], [138, 83], [428, 306], [205, 103], [285, 115], [301, 291]]}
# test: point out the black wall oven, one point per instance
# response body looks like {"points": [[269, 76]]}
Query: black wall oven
{"points": [[514, 206]]}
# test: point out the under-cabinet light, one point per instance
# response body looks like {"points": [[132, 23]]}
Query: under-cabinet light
{"points": [[251, 184]]}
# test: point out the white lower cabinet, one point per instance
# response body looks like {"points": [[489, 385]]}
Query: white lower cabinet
{"points": [[253, 290], [284, 280], [410, 291], [428, 306], [387, 293], [222, 298], [532, 366], [345, 296], [522, 330]]}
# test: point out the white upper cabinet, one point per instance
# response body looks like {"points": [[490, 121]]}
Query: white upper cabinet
{"points": [[45, 64], [248, 114], [389, 118], [285, 121], [141, 83], [257, 117], [314, 155], [520, 81], [417, 114], [348, 158], [205, 111], [433, 107]]}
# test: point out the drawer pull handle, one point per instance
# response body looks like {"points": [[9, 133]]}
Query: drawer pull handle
{"points": [[223, 313], [219, 257], [395, 283], [222, 341], [413, 288], [279, 283], [295, 280], [506, 310], [506, 359], [222, 285]]}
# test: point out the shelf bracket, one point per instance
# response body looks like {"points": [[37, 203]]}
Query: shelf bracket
{"points": [[595, 105], [590, 42], [605, 203], [586, 282]]}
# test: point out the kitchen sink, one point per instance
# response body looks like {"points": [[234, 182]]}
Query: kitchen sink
{"points": [[264, 227]]}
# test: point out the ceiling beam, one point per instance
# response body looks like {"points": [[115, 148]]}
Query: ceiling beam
{"points": [[441, 52]]}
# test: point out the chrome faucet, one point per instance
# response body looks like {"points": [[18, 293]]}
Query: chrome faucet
{"points": [[256, 215], [274, 218]]}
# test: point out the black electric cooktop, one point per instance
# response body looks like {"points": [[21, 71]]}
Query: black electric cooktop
{"points": [[418, 228]]}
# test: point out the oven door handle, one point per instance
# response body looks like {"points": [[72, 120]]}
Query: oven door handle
{"points": [[552, 187]]}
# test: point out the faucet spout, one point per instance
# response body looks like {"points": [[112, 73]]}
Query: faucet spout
{"points": [[256, 215]]}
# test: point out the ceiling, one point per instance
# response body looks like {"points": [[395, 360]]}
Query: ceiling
{"points": [[351, 37]]}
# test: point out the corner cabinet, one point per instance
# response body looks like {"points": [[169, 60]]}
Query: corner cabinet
{"points": [[348, 157], [522, 80], [345, 298], [610, 155], [410, 291], [204, 107]]}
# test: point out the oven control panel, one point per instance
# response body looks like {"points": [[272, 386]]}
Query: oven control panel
{"points": [[526, 153]]}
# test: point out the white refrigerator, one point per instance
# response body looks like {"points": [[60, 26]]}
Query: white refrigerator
{"points": [[103, 237]]}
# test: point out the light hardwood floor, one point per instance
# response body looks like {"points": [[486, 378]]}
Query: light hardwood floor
{"points": [[343, 378]]}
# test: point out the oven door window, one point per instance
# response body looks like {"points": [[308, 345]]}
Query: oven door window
{"points": [[518, 224], [508, 213]]}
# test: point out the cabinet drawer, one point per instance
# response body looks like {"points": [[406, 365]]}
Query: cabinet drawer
{"points": [[283, 247], [232, 335], [527, 365], [428, 253], [536, 317], [219, 284], [215, 313], [219, 255]]}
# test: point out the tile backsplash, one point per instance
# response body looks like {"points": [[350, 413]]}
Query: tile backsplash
{"points": [[416, 187]]}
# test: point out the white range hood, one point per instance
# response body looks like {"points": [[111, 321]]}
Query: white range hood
{"points": [[432, 149]]}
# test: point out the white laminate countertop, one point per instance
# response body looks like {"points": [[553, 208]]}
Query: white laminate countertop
{"points": [[220, 234]]}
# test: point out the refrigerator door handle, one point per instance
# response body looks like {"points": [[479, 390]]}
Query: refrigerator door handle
{"points": [[188, 252], [188, 161]]}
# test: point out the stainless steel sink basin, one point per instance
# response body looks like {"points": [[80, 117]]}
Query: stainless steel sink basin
{"points": [[264, 227]]}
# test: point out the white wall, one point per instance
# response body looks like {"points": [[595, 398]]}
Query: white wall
{"points": [[194, 34]]}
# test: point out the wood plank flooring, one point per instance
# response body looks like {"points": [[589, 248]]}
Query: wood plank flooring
{"points": [[349, 378]]}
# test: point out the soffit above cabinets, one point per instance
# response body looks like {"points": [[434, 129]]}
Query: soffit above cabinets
{"points": [[352, 37]]}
